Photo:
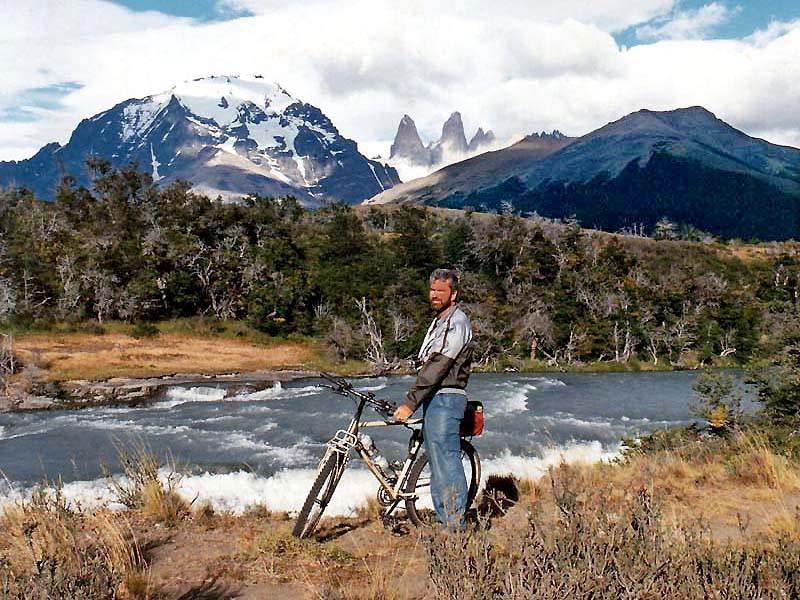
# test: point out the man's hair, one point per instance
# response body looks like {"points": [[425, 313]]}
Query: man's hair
{"points": [[448, 275]]}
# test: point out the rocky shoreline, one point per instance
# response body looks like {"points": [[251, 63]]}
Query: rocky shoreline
{"points": [[128, 391]]}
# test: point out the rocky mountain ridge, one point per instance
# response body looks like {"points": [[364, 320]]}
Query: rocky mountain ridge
{"points": [[686, 165], [452, 143], [229, 136]]}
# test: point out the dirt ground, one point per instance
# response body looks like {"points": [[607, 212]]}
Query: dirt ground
{"points": [[255, 557]]}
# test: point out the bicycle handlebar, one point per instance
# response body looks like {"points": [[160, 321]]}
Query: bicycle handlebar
{"points": [[345, 388]]}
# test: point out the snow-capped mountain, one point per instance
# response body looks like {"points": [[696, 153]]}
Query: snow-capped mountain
{"points": [[229, 136]]}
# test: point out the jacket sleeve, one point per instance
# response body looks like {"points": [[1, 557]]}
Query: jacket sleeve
{"points": [[429, 378]]}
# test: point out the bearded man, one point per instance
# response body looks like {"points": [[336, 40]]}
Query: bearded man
{"points": [[440, 387]]}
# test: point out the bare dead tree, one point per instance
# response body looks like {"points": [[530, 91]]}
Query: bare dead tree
{"points": [[656, 336], [68, 276], [630, 343], [563, 258], [375, 354], [535, 328], [323, 311], [710, 288], [727, 342], [8, 363], [590, 299], [402, 325], [30, 298], [681, 333], [342, 337], [8, 297], [208, 264], [103, 288], [780, 277], [572, 350]]}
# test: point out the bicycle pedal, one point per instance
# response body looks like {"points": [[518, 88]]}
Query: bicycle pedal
{"points": [[397, 528]]}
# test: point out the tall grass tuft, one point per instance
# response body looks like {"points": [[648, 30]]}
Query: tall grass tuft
{"points": [[50, 550], [148, 486], [753, 461]]}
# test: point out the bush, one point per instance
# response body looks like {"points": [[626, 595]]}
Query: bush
{"points": [[719, 400], [593, 551], [144, 330]]}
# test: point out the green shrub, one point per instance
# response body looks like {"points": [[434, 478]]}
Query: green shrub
{"points": [[144, 330]]}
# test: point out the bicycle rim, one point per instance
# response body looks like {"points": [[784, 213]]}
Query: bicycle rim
{"points": [[328, 475], [420, 510]]}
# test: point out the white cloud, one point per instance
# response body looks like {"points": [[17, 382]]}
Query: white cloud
{"points": [[609, 15], [687, 25], [773, 31], [509, 66]]}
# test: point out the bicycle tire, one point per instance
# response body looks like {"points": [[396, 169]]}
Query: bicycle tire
{"points": [[328, 475], [418, 514]]}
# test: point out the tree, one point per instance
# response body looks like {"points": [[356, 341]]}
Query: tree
{"points": [[665, 229], [719, 400]]}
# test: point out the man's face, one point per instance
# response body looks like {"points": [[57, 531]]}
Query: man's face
{"points": [[441, 296]]}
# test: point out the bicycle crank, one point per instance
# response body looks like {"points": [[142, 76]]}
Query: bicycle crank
{"points": [[384, 499]]}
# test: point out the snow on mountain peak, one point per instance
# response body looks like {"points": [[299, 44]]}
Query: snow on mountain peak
{"points": [[231, 133], [219, 97]]}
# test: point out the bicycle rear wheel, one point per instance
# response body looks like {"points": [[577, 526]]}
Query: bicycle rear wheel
{"points": [[328, 475], [420, 510]]}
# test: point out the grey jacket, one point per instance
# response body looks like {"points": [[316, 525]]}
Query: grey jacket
{"points": [[446, 355]]}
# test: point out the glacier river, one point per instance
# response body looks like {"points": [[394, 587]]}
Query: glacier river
{"points": [[241, 448]]}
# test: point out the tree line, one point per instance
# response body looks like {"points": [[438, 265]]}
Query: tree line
{"points": [[538, 291]]}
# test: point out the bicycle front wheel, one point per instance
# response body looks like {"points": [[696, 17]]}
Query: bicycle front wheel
{"points": [[420, 509], [328, 475]]}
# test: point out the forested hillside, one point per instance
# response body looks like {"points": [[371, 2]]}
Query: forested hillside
{"points": [[357, 278]]}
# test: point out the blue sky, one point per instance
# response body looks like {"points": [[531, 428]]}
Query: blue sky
{"points": [[513, 66], [202, 10], [745, 17]]}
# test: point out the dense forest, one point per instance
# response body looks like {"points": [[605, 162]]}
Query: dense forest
{"points": [[538, 291]]}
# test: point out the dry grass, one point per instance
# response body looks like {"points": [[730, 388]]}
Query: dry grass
{"points": [[755, 464], [723, 482], [50, 550], [145, 486], [89, 356], [608, 551]]}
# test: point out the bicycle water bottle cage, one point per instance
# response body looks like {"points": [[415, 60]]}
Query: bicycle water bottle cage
{"points": [[343, 441]]}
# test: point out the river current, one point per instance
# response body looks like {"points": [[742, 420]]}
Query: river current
{"points": [[240, 448]]}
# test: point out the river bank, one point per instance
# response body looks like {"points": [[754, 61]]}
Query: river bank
{"points": [[76, 369], [120, 365]]}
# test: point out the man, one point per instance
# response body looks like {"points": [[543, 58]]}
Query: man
{"points": [[446, 355]]}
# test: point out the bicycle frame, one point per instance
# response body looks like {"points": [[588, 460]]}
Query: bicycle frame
{"points": [[347, 439]]}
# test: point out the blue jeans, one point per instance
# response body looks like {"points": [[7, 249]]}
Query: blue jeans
{"points": [[443, 414]]}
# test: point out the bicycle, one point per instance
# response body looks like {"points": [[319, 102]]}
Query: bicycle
{"points": [[407, 483]]}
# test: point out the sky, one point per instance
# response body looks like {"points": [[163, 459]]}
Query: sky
{"points": [[513, 66]]}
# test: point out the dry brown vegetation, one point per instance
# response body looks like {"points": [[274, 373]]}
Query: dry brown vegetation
{"points": [[86, 356], [711, 518]]}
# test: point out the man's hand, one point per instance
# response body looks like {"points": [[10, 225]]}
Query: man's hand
{"points": [[403, 412]]}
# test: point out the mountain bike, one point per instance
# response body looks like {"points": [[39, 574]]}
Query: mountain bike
{"points": [[400, 483]]}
